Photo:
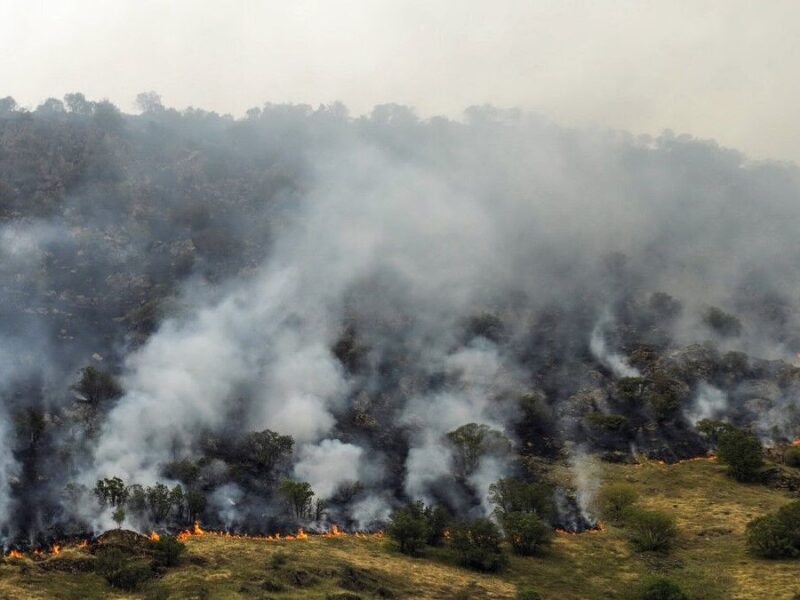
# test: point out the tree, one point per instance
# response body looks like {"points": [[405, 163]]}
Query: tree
{"points": [[111, 491], [410, 528], [158, 501], [78, 104], [438, 520], [477, 544], [119, 516], [526, 532], [298, 496], [177, 501], [472, 442], [711, 429], [7, 105], [792, 456], [264, 450], [136, 499], [650, 529], [512, 495], [722, 323], [742, 452], [195, 504], [96, 387], [51, 107], [149, 102]]}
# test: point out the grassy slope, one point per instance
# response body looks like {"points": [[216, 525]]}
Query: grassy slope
{"points": [[709, 560]]}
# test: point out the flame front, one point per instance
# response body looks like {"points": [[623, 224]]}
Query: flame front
{"points": [[14, 553], [55, 549], [796, 442], [154, 536]]}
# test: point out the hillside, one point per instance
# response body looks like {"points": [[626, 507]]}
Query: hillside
{"points": [[709, 561]]}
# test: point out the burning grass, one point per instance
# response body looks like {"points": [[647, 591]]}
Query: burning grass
{"points": [[709, 560]]}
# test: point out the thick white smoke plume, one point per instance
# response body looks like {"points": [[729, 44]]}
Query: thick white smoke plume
{"points": [[468, 264]]}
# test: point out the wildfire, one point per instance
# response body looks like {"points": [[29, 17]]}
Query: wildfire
{"points": [[14, 553], [301, 534], [796, 442], [154, 536], [594, 529], [84, 544], [55, 549]]}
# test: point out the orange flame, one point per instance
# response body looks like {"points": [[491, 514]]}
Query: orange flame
{"points": [[84, 544], [334, 531], [154, 536], [55, 549], [796, 442], [14, 553]]}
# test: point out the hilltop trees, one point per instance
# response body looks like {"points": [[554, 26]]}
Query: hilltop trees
{"points": [[298, 497], [473, 441]]}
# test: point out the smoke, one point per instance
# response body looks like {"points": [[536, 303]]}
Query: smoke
{"points": [[709, 403], [368, 285], [599, 348]]}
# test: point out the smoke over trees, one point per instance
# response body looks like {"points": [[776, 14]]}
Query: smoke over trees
{"points": [[380, 308]]}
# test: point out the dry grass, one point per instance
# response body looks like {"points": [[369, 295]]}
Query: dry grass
{"points": [[709, 560]]}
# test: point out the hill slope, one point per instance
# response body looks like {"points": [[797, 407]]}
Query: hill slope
{"points": [[709, 561]]}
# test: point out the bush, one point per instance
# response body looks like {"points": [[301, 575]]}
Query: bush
{"points": [[742, 452], [650, 529], [792, 456], [477, 544], [767, 536], [526, 532], [525, 594], [614, 499], [409, 527], [167, 551], [659, 588], [121, 572], [776, 535]]}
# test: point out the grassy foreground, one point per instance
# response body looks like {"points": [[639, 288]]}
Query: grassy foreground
{"points": [[709, 561]]}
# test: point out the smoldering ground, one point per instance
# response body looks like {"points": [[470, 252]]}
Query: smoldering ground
{"points": [[364, 285]]}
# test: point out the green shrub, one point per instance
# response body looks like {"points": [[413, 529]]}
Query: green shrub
{"points": [[477, 544], [659, 588], [409, 527], [278, 559], [767, 536], [167, 551], [512, 495], [120, 571], [742, 452], [792, 456], [526, 594], [650, 529], [614, 499], [776, 535], [526, 532]]}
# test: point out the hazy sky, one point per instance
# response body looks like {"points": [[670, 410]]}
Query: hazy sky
{"points": [[724, 69]]}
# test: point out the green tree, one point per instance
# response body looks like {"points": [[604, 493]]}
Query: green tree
{"points": [[526, 532], [511, 495], [410, 528], [264, 450], [119, 516], [195, 504], [96, 387], [298, 496], [111, 491], [476, 543], [742, 452], [159, 502], [471, 442]]}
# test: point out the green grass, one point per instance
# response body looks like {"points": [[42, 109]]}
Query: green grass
{"points": [[709, 560]]}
